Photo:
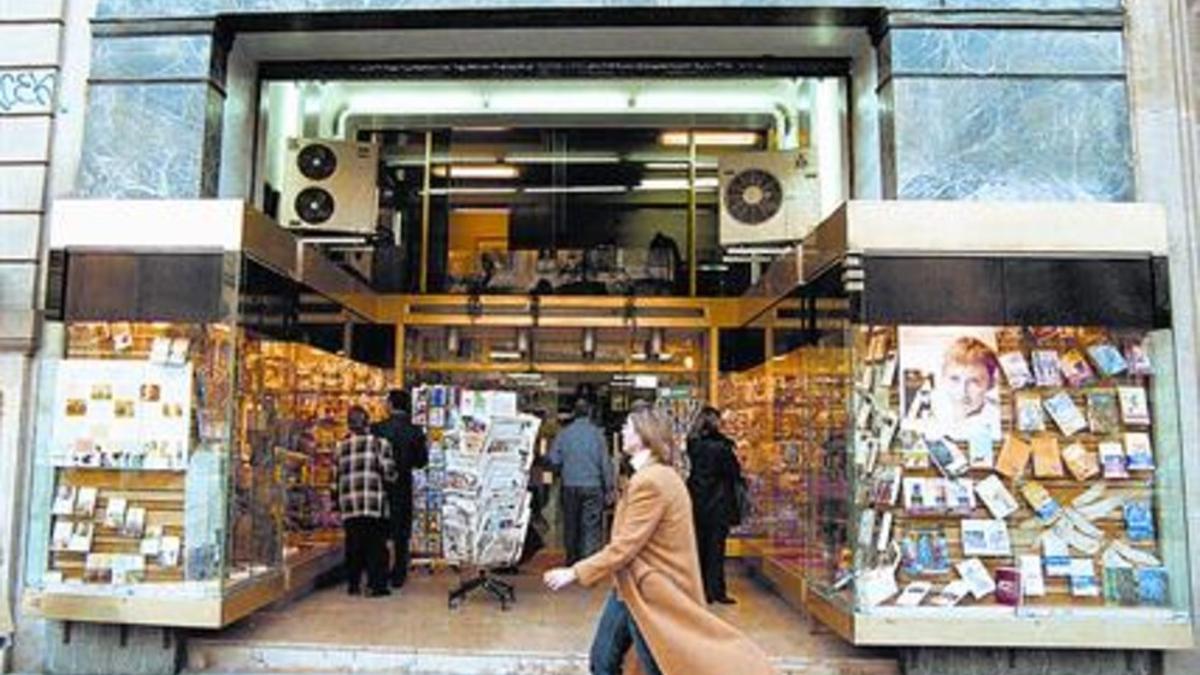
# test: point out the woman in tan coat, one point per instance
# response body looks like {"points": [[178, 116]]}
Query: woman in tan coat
{"points": [[658, 604]]}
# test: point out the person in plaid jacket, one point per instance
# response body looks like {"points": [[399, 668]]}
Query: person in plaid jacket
{"points": [[363, 467]]}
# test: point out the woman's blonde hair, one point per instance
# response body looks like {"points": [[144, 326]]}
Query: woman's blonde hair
{"points": [[654, 431]]}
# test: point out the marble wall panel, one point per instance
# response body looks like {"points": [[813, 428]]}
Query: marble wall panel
{"points": [[1003, 52], [145, 140], [1011, 139], [183, 8], [151, 57]]}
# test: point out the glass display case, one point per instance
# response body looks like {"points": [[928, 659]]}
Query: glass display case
{"points": [[1010, 470], [169, 415]]}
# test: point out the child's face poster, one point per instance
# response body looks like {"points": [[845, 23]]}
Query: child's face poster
{"points": [[951, 381]]}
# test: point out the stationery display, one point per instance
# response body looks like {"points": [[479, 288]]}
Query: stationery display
{"points": [[1027, 477]]}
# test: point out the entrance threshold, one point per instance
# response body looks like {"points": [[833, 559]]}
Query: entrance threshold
{"points": [[413, 631]]}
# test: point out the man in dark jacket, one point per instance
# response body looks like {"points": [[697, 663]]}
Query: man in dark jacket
{"points": [[712, 484], [410, 452]]}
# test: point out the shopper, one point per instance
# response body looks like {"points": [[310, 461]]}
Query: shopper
{"points": [[712, 485], [580, 454], [657, 606], [364, 465], [410, 451]]}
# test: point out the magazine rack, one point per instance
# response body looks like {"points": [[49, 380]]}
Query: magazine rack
{"points": [[1009, 472]]}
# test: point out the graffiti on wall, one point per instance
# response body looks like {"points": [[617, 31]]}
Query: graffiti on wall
{"points": [[27, 90]]}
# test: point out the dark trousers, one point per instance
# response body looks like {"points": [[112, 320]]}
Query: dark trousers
{"points": [[365, 549], [400, 532], [583, 522], [710, 544], [615, 634]]}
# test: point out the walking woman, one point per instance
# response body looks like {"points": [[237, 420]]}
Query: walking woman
{"points": [[712, 484], [658, 605]]}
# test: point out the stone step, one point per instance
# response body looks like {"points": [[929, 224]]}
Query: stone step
{"points": [[228, 656]]}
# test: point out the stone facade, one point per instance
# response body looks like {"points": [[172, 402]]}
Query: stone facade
{"points": [[1035, 100]]}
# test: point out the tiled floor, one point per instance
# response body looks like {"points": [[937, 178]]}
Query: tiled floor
{"points": [[417, 620]]}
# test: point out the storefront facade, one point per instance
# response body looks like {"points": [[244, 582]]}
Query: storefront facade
{"points": [[1009, 101]]}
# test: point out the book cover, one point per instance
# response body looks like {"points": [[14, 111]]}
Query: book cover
{"points": [[1040, 501], [1016, 369], [1032, 582], [1120, 586], [1046, 369], [913, 594], [114, 515], [985, 538], [1103, 412], [980, 452], [916, 498], [1139, 521], [1082, 464], [1014, 455], [1135, 408], [1047, 460], [1152, 586], [1057, 555], [1138, 359], [1065, 414], [1138, 454], [1108, 359], [1008, 586], [998, 500], [85, 502], [60, 539], [951, 594], [1075, 369], [960, 496], [64, 501], [947, 457], [1083, 578], [976, 575], [1112, 459], [1029, 415]]}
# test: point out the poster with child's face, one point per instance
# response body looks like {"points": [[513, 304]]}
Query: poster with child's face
{"points": [[951, 381]]}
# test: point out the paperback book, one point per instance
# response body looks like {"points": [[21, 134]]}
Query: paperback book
{"points": [[913, 594], [1040, 501], [1008, 586], [1108, 359], [1014, 456], [1057, 555], [1046, 368], [1135, 408], [1033, 583], [998, 500], [1076, 370], [1138, 454], [1016, 369], [1065, 413], [947, 457], [976, 575], [1112, 459], [985, 538], [1152, 586], [951, 594], [1103, 412], [64, 501], [1083, 578], [1082, 464], [1047, 460], [1029, 412], [1138, 359], [1139, 521]]}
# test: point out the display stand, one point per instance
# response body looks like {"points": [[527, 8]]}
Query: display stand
{"points": [[501, 590]]}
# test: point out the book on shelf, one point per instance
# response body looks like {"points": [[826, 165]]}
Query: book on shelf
{"points": [[985, 538], [1065, 413], [1082, 464], [1103, 411], [973, 571], [1076, 370], [1033, 583], [1108, 359], [1029, 417], [64, 500], [1047, 459], [1040, 500], [998, 500], [1046, 368], [1016, 369], [913, 594], [1083, 578], [1057, 555], [1135, 407], [951, 594], [1137, 357], [1112, 459], [1014, 456], [1008, 586], [1138, 453]]}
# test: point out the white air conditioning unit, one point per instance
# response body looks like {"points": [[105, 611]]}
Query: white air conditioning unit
{"points": [[768, 197], [330, 187]]}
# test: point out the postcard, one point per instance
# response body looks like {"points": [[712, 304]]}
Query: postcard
{"points": [[1014, 456], [998, 500], [1138, 453], [1029, 417], [977, 577], [1065, 414], [985, 538], [1082, 464], [1016, 369], [1135, 408], [1047, 459], [1033, 583], [1103, 412], [1047, 371], [1112, 459]]}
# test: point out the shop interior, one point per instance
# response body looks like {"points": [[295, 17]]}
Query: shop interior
{"points": [[615, 239]]}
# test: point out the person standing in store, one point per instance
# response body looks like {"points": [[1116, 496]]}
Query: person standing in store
{"points": [[362, 468], [657, 606], [410, 452], [712, 485], [580, 454]]}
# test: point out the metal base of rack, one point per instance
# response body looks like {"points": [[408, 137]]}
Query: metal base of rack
{"points": [[501, 590]]}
